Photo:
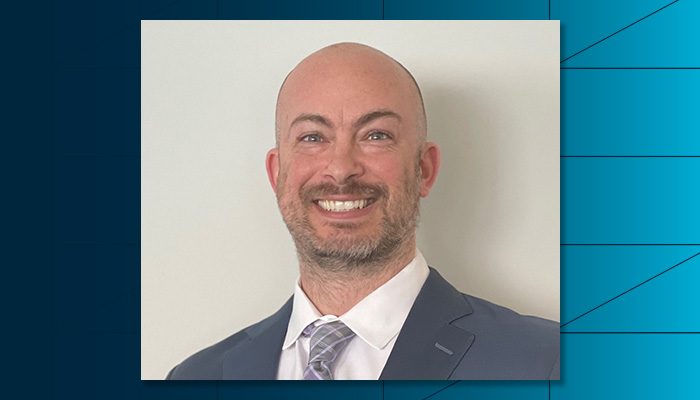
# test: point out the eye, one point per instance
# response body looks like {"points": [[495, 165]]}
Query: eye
{"points": [[377, 135], [311, 137]]}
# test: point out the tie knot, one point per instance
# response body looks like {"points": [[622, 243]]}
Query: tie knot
{"points": [[327, 341]]}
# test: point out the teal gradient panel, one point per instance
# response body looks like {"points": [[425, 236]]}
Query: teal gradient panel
{"points": [[630, 200], [586, 22], [666, 39], [482, 390], [593, 275], [466, 9], [626, 366], [630, 112]]}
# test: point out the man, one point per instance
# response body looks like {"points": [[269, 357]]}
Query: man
{"points": [[349, 168]]}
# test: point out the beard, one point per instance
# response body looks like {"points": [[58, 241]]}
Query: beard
{"points": [[344, 250]]}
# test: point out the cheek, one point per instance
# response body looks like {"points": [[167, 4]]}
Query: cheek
{"points": [[298, 171]]}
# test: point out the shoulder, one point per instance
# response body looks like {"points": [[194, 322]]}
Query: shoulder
{"points": [[207, 364], [510, 345]]}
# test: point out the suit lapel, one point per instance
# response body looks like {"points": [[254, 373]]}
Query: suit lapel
{"points": [[428, 346], [258, 358]]}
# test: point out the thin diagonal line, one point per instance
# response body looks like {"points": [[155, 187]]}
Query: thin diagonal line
{"points": [[450, 385], [615, 33], [631, 289]]}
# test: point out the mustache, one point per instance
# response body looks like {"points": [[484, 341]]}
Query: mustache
{"points": [[354, 188]]}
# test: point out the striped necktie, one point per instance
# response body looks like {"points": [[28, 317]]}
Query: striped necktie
{"points": [[327, 341]]}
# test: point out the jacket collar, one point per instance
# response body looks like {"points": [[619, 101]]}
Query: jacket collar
{"points": [[429, 346], [259, 358]]}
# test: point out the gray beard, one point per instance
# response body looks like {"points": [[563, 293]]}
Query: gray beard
{"points": [[364, 255], [360, 256]]}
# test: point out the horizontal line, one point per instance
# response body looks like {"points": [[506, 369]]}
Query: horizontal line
{"points": [[629, 333], [629, 244], [69, 155], [99, 243], [649, 156], [51, 67], [33, 244], [637, 68]]}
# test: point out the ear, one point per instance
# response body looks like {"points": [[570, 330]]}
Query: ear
{"points": [[429, 166], [272, 164]]}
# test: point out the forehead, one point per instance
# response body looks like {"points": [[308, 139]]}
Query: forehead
{"points": [[345, 86]]}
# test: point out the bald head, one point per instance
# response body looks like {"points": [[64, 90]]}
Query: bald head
{"points": [[344, 76]]}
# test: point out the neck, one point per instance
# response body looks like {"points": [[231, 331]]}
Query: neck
{"points": [[335, 292]]}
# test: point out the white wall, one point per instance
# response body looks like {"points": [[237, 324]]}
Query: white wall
{"points": [[216, 255]]}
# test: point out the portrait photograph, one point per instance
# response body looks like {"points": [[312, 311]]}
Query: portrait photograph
{"points": [[350, 200]]}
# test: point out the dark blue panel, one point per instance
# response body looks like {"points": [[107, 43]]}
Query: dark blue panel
{"points": [[26, 357], [630, 112], [26, 281], [98, 200], [630, 200], [290, 390], [466, 9], [89, 365], [309, 9], [25, 34], [25, 109], [25, 203], [179, 390], [97, 112], [97, 289]]}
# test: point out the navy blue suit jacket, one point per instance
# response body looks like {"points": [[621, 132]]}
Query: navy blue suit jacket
{"points": [[447, 335]]}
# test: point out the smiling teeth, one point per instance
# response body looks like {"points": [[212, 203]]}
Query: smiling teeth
{"points": [[340, 206]]}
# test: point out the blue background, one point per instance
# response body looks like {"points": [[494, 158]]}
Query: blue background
{"points": [[69, 210]]}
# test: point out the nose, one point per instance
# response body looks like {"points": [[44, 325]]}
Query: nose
{"points": [[343, 164]]}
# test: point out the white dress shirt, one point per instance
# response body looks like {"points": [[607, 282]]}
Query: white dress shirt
{"points": [[376, 321]]}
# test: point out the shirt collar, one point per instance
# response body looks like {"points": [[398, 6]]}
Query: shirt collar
{"points": [[377, 318]]}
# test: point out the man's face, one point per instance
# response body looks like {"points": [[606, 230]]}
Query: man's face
{"points": [[348, 169]]}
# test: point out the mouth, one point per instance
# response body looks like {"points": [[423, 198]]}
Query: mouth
{"points": [[343, 206]]}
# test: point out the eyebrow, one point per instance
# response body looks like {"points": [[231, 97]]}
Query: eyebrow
{"points": [[319, 119], [363, 120], [371, 116]]}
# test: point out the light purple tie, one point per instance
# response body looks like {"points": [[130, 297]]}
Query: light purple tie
{"points": [[327, 341]]}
